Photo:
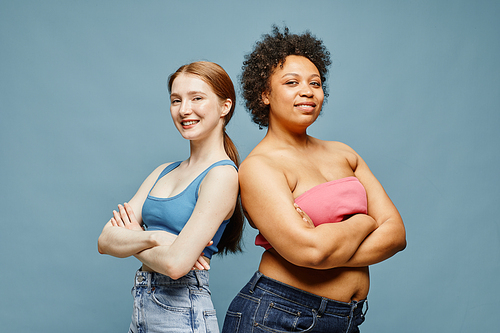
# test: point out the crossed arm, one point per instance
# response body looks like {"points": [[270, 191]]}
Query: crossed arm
{"points": [[363, 239], [123, 236], [163, 252]]}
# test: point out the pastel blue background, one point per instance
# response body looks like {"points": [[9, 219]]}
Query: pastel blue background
{"points": [[414, 88]]}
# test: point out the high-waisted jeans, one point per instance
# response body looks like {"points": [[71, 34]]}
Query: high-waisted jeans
{"points": [[267, 305], [162, 304]]}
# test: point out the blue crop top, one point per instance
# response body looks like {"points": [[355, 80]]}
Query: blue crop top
{"points": [[171, 214]]}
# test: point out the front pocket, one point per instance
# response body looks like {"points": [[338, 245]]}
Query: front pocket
{"points": [[173, 299], [286, 317]]}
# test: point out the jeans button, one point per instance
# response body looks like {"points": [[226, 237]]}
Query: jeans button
{"points": [[140, 278]]}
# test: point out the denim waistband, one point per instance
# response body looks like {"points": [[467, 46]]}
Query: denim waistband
{"points": [[147, 279], [304, 298]]}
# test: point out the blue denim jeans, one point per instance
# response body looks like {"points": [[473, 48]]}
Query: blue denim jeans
{"points": [[162, 304], [267, 305]]}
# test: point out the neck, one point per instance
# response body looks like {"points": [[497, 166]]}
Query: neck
{"points": [[297, 138], [207, 150]]}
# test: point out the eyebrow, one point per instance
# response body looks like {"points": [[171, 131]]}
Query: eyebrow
{"points": [[194, 92], [295, 74]]}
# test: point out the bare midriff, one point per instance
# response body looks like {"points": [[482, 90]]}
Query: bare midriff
{"points": [[341, 284]]}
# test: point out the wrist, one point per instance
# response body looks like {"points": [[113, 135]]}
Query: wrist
{"points": [[153, 239], [160, 238]]}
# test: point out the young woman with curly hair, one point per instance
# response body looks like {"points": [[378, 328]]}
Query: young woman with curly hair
{"points": [[323, 217], [190, 209]]}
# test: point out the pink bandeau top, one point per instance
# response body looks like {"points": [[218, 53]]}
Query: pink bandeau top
{"points": [[329, 202]]}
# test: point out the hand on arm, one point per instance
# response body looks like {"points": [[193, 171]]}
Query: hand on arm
{"points": [[123, 235], [155, 259], [125, 218], [160, 241], [304, 216], [268, 200], [366, 254]]}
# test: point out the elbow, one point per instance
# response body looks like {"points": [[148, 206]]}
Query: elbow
{"points": [[175, 271], [400, 244], [397, 243], [400, 240], [318, 258], [176, 274], [314, 258], [101, 246]]}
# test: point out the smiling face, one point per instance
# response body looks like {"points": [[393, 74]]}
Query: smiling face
{"points": [[195, 109], [295, 96]]}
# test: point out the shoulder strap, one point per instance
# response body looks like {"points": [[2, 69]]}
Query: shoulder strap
{"points": [[202, 175], [167, 169]]}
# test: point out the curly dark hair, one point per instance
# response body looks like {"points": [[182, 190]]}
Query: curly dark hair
{"points": [[268, 54]]}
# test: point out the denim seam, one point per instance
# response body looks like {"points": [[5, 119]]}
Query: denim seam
{"points": [[300, 304], [250, 298]]}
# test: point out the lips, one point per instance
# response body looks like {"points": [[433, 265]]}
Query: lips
{"points": [[306, 105], [189, 122]]}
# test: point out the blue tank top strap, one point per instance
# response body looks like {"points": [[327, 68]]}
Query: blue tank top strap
{"points": [[167, 169], [202, 175]]}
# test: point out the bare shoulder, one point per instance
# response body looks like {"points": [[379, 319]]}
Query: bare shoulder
{"points": [[223, 173], [336, 146], [340, 149], [258, 164]]}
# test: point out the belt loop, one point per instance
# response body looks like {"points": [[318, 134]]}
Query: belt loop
{"points": [[322, 306], [354, 306], [256, 277], [149, 277], [198, 278]]}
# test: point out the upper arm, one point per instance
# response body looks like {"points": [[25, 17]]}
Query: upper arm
{"points": [[216, 201], [268, 200], [380, 206]]}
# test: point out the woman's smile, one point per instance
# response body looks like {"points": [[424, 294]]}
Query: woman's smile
{"points": [[295, 91], [307, 107], [189, 123]]}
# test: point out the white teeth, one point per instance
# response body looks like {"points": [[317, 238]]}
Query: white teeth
{"points": [[187, 123], [303, 105]]}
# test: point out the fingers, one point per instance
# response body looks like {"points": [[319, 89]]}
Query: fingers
{"points": [[124, 215], [303, 214], [130, 212], [118, 219], [198, 265], [300, 211], [203, 263]]}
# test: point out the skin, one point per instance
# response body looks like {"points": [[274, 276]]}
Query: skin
{"points": [[198, 114], [330, 260]]}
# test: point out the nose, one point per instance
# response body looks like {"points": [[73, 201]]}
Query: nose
{"points": [[306, 90], [185, 109]]}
